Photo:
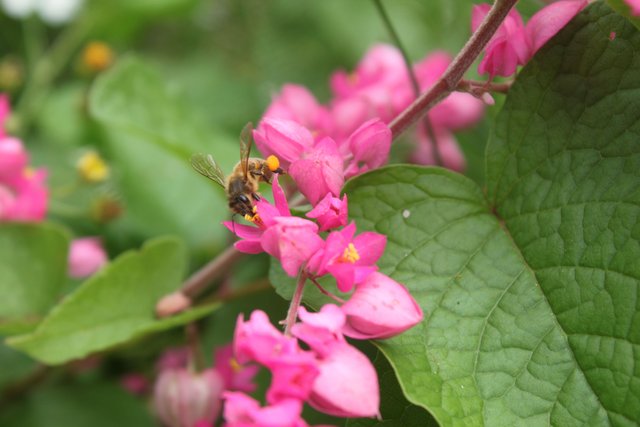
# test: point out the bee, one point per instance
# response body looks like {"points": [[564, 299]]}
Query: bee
{"points": [[242, 184]]}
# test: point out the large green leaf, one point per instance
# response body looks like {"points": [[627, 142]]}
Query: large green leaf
{"points": [[530, 300], [114, 306], [151, 136], [33, 267]]}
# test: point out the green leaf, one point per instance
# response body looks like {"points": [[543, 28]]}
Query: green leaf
{"points": [[77, 405], [623, 8], [33, 267], [530, 300], [151, 136], [112, 307]]}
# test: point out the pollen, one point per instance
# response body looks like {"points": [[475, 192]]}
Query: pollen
{"points": [[273, 163], [97, 56], [92, 167], [350, 254], [235, 366]]}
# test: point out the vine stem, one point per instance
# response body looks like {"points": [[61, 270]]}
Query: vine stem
{"points": [[296, 300], [452, 76]]}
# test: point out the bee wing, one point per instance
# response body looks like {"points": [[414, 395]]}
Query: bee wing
{"points": [[205, 165], [246, 139]]}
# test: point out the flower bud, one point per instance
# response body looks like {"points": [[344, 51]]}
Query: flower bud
{"points": [[173, 303], [331, 212], [86, 256], [380, 307], [183, 398]]}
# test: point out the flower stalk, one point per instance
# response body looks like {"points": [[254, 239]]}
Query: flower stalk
{"points": [[296, 300]]}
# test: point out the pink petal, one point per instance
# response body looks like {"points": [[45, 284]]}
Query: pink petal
{"points": [[13, 156], [331, 212], [549, 20], [370, 247], [457, 111], [379, 308], [450, 153], [283, 138], [370, 145], [347, 385], [279, 197]]}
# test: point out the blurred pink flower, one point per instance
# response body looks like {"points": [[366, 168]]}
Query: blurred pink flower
{"points": [[13, 157], [379, 308], [448, 148], [5, 112], [182, 397], [134, 383], [173, 358], [296, 103], [86, 256], [241, 410], [24, 196], [634, 5], [236, 377]]}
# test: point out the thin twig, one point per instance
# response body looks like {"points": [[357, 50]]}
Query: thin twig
{"points": [[454, 72], [477, 88], [326, 292], [199, 280], [426, 122]]}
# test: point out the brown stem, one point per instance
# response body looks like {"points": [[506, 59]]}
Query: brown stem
{"points": [[212, 270], [453, 74], [296, 300], [193, 342]]}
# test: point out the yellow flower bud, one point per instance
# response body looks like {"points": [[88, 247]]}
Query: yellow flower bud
{"points": [[92, 168]]}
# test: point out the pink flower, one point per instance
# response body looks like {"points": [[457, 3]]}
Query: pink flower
{"points": [[23, 196], [293, 241], [13, 157], [319, 171], [375, 81], [379, 308], [86, 256], [634, 5], [347, 385], [369, 145], [330, 212], [236, 377], [173, 358], [285, 139], [350, 260], [182, 398], [296, 103], [292, 376], [448, 148], [514, 44], [241, 410]]}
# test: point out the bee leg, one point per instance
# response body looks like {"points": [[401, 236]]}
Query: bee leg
{"points": [[256, 197]]}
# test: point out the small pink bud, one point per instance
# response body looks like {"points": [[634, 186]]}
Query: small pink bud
{"points": [[171, 304], [86, 256], [488, 99], [379, 308], [136, 384], [182, 398], [370, 145]]}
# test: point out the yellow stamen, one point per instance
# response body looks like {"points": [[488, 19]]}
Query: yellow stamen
{"points": [[92, 167], [273, 163], [350, 254]]}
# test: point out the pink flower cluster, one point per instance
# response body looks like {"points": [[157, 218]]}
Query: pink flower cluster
{"points": [[349, 134], [515, 43], [332, 375], [23, 194]]}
